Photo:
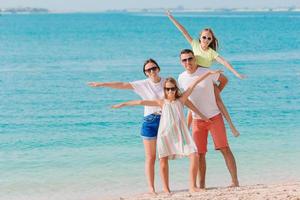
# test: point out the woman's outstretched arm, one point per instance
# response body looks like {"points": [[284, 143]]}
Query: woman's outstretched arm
{"points": [[180, 27], [139, 103], [115, 85], [190, 89]]}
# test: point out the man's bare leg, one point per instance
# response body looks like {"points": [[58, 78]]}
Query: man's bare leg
{"points": [[231, 165]]}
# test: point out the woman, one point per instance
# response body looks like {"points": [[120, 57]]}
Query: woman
{"points": [[148, 89]]}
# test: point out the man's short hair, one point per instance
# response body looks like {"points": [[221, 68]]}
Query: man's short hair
{"points": [[185, 51]]}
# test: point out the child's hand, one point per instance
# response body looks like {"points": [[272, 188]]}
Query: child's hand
{"points": [[168, 13], [240, 76], [94, 84], [206, 119], [120, 105]]}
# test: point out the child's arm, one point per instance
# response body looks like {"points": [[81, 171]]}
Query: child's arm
{"points": [[189, 119], [191, 106], [190, 89], [115, 85], [180, 27], [139, 103], [222, 82], [224, 62]]}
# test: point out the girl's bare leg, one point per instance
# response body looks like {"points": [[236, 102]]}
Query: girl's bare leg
{"points": [[224, 112], [164, 173], [194, 165], [150, 154]]}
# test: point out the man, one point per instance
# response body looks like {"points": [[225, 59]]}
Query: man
{"points": [[203, 97]]}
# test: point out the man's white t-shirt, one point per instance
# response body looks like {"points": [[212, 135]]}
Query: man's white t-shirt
{"points": [[203, 95], [148, 90]]}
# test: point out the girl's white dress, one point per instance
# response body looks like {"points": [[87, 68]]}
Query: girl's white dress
{"points": [[174, 139]]}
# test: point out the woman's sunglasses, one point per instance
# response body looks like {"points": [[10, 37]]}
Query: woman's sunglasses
{"points": [[173, 89], [151, 69], [206, 38]]}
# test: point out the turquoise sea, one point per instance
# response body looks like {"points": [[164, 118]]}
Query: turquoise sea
{"points": [[59, 139]]}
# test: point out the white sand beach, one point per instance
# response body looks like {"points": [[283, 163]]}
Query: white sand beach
{"points": [[289, 191]]}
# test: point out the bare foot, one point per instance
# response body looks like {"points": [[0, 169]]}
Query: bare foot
{"points": [[234, 184], [195, 189], [234, 131], [202, 185], [167, 191], [152, 193], [149, 195]]}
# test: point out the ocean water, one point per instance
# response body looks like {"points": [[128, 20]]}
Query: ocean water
{"points": [[59, 139]]}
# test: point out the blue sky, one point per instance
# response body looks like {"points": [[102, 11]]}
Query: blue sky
{"points": [[100, 5]]}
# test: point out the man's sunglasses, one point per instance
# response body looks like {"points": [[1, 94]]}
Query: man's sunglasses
{"points": [[208, 38], [187, 59], [173, 89], [154, 68]]}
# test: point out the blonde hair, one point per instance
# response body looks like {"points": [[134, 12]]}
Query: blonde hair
{"points": [[173, 81], [214, 42]]}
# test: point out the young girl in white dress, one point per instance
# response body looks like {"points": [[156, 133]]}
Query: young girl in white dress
{"points": [[174, 139]]}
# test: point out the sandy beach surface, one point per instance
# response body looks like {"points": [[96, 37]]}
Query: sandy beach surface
{"points": [[290, 191]]}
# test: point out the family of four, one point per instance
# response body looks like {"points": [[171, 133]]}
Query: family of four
{"points": [[165, 128]]}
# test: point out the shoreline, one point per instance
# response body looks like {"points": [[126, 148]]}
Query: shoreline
{"points": [[154, 11], [289, 191]]}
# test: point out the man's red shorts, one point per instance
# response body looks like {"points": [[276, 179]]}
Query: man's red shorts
{"points": [[217, 130]]}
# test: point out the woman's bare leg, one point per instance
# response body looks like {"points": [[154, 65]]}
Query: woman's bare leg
{"points": [[150, 156]]}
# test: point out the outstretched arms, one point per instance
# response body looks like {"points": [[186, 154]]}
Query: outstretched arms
{"points": [[224, 62], [115, 85], [180, 27], [139, 103], [190, 89]]}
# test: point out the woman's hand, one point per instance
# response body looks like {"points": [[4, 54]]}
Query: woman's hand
{"points": [[95, 84], [120, 105]]}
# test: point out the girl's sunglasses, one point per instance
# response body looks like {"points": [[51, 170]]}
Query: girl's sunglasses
{"points": [[206, 38], [173, 89]]}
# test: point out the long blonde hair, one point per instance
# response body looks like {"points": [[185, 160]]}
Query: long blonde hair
{"points": [[214, 43], [173, 81]]}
